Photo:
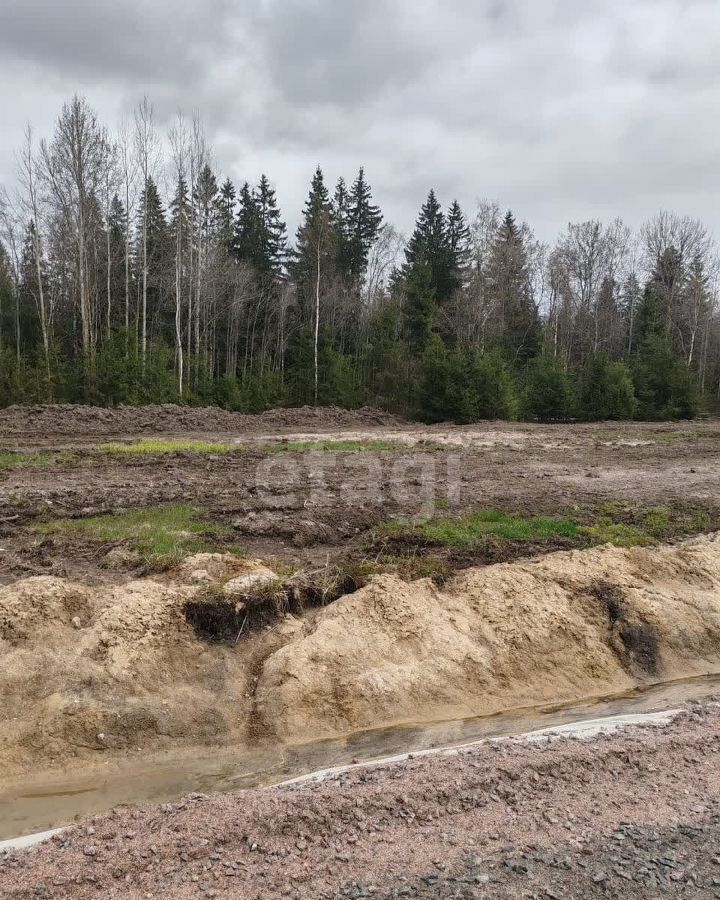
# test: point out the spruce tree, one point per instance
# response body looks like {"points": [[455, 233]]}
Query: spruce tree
{"points": [[247, 228], [509, 283], [205, 198], [459, 238], [157, 246], [667, 282], [365, 220], [315, 241], [419, 306], [430, 243], [226, 214], [29, 291], [273, 231], [117, 227], [630, 300], [180, 211], [341, 225]]}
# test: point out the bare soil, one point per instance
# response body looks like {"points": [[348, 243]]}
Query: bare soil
{"points": [[102, 661], [306, 509], [633, 814], [94, 421]]}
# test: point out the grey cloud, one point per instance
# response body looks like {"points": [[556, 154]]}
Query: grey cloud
{"points": [[560, 109], [133, 41]]}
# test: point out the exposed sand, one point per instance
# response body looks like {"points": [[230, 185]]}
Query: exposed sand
{"points": [[87, 673]]}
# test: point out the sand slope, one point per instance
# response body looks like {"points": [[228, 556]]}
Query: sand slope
{"points": [[91, 672], [564, 626]]}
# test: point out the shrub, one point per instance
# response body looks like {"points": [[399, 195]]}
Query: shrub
{"points": [[548, 390]]}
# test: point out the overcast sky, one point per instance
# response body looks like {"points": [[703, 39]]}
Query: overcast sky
{"points": [[561, 109]]}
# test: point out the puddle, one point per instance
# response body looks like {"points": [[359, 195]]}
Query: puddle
{"points": [[41, 802]]}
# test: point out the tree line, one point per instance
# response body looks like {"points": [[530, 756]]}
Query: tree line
{"points": [[131, 273]]}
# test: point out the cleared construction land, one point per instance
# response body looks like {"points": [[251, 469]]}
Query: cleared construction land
{"points": [[188, 582]]}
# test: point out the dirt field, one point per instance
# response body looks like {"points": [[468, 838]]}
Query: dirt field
{"points": [[194, 580], [633, 814], [305, 508]]}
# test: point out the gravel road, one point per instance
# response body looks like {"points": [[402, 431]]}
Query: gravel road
{"points": [[632, 814]]}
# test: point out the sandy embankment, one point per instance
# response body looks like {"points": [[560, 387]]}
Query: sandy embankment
{"points": [[86, 673]]}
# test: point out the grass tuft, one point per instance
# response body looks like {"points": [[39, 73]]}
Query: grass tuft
{"points": [[150, 446], [163, 535], [618, 534], [472, 529], [340, 446], [10, 460]]}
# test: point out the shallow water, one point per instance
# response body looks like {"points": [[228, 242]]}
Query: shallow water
{"points": [[43, 801]]}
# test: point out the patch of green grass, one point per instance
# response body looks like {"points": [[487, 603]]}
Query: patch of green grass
{"points": [[340, 446], [671, 437], [657, 519], [618, 534], [163, 535], [442, 503], [655, 437], [497, 535], [471, 529], [10, 460], [150, 446]]}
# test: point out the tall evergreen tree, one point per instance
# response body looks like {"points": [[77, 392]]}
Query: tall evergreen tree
{"points": [[315, 242], [247, 228], [273, 231], [667, 283], [28, 320], [510, 286], [630, 300], [117, 223], [430, 244], [226, 214], [459, 238], [341, 224], [365, 221], [157, 246], [420, 305], [697, 304]]}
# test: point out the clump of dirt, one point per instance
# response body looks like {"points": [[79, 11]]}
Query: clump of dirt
{"points": [[636, 643], [37, 601], [88, 670], [490, 551], [220, 619], [67, 419]]}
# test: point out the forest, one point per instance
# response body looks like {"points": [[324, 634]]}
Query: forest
{"points": [[132, 272]]}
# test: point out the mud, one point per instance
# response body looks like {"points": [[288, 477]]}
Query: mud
{"points": [[43, 800], [632, 814], [307, 508], [95, 421]]}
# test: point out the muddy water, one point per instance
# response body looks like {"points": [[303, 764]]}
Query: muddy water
{"points": [[43, 801]]}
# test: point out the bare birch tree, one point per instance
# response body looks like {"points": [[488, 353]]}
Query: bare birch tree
{"points": [[73, 165], [178, 137], [146, 150], [128, 171], [28, 178]]}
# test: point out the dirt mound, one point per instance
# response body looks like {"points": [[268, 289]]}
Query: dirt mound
{"points": [[565, 626], [187, 658], [69, 419], [113, 668]]}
